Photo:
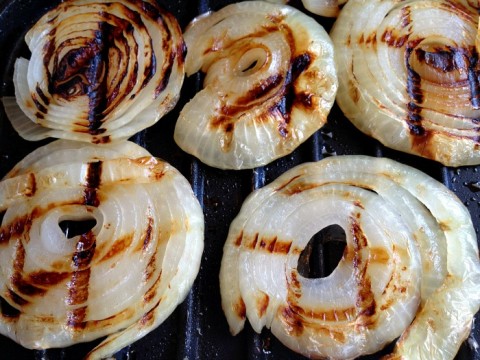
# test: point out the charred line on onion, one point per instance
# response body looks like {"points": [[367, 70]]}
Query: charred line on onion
{"points": [[282, 187], [253, 244], [92, 183], [298, 188], [240, 308], [32, 185], [261, 89], [365, 301], [445, 59], [330, 315], [97, 75], [415, 93], [42, 95], [167, 71], [293, 320], [47, 278], [118, 247], [78, 287], [17, 279], [239, 239], [151, 268], [76, 318], [262, 303], [392, 39], [406, 18], [148, 233], [421, 143], [473, 78], [85, 250], [21, 224], [148, 318], [38, 104], [17, 299]]}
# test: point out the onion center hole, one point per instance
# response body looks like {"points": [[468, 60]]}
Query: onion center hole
{"points": [[323, 253], [251, 66], [72, 228]]}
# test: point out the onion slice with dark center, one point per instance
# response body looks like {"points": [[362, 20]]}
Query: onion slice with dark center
{"points": [[270, 82], [411, 254], [95, 241], [408, 75], [98, 71]]}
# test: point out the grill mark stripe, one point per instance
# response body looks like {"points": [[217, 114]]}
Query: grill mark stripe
{"points": [[42, 95], [79, 283], [92, 182], [473, 78], [17, 280], [148, 233], [365, 302], [415, 93]]}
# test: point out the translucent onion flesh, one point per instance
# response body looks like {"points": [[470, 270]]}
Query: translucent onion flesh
{"points": [[98, 71], [327, 8], [122, 275], [270, 82], [408, 75], [411, 255]]}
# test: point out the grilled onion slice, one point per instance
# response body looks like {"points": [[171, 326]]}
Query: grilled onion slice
{"points": [[270, 82], [123, 276], [408, 75], [411, 254], [98, 71]]}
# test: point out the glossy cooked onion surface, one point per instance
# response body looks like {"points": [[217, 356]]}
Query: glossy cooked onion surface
{"points": [[95, 241], [269, 83], [98, 71], [408, 75], [410, 267]]}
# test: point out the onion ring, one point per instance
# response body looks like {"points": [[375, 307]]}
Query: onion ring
{"points": [[327, 8], [99, 71], [411, 254], [122, 277], [270, 82], [408, 75]]}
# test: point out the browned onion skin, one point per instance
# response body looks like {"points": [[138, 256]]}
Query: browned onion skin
{"points": [[408, 75], [99, 70]]}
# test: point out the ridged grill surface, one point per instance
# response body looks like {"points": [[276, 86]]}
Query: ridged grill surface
{"points": [[198, 329]]}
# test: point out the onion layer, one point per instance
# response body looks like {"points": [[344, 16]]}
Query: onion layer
{"points": [[411, 254], [327, 8], [408, 75], [98, 71], [131, 261], [270, 82]]}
